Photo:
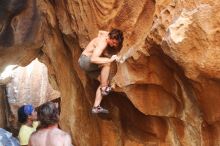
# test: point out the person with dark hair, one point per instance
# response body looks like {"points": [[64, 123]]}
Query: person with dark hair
{"points": [[48, 133], [27, 116], [96, 60]]}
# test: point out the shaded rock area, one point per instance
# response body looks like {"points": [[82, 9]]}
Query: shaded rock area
{"points": [[166, 92], [3, 120]]}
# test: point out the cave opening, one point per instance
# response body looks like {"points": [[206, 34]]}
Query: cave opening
{"points": [[23, 85]]}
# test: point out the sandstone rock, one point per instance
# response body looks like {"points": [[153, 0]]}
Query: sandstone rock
{"points": [[25, 85], [166, 91], [30, 85]]}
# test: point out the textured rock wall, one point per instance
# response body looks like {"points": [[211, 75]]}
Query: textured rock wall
{"points": [[166, 92], [29, 85]]}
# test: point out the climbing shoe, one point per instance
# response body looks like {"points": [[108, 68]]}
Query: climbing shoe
{"points": [[99, 109]]}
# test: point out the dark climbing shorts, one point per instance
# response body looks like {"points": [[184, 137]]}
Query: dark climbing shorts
{"points": [[91, 69]]}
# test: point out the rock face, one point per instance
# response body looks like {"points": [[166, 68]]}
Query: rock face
{"points": [[23, 85], [166, 92], [29, 85]]}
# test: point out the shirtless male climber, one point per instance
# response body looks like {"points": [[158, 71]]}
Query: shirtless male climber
{"points": [[96, 62], [48, 133]]}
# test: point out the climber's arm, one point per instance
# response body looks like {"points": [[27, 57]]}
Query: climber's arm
{"points": [[95, 58]]}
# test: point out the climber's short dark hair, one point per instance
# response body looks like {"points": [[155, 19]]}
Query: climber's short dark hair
{"points": [[116, 34], [48, 114]]}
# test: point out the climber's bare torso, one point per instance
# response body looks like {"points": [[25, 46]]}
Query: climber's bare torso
{"points": [[50, 137], [97, 46]]}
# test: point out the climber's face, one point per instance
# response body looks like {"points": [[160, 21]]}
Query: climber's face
{"points": [[33, 115], [113, 43]]}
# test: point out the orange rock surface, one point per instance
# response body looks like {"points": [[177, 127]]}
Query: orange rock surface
{"points": [[166, 92]]}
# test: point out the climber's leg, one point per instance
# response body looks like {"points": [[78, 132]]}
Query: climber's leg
{"points": [[105, 71], [96, 107], [98, 97]]}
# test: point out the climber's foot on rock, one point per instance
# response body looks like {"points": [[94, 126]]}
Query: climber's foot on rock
{"points": [[105, 90], [99, 109]]}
